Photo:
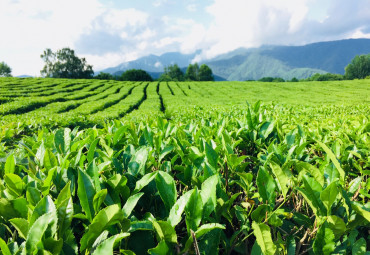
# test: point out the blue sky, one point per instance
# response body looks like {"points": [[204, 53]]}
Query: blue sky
{"points": [[109, 32]]}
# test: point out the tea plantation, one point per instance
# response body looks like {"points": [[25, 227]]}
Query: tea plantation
{"points": [[109, 167]]}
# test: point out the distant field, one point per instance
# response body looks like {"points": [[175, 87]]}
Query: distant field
{"points": [[65, 102], [107, 167]]}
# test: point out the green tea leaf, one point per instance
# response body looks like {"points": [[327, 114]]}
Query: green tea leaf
{"points": [[16, 208], [194, 211], [10, 164], [178, 208], [165, 231], [145, 180], [281, 178], [93, 171], [131, 203], [105, 218], [106, 247], [4, 248], [14, 184], [37, 231], [314, 171], [266, 186], [204, 229], [50, 160], [359, 247], [334, 160], [45, 206], [329, 195], [361, 210], [86, 193], [166, 150], [48, 182], [263, 237], [208, 194], [21, 225], [91, 152], [160, 249], [337, 225], [33, 196], [167, 188], [311, 193], [99, 199], [62, 140], [211, 155], [119, 134], [138, 162], [324, 241]]}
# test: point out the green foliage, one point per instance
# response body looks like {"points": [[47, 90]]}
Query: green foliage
{"points": [[205, 73], [5, 70], [104, 76], [271, 79], [65, 64], [294, 79], [196, 73], [326, 77], [192, 72], [135, 75], [359, 67], [281, 178], [172, 73]]}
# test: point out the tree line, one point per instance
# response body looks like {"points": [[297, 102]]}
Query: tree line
{"points": [[65, 64], [171, 73]]}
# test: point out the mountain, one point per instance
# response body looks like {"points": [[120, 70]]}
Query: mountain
{"points": [[153, 63], [254, 63]]}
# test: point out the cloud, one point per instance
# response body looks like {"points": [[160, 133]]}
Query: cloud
{"points": [[191, 7], [98, 43], [158, 3], [248, 23], [28, 27], [130, 32], [115, 31]]}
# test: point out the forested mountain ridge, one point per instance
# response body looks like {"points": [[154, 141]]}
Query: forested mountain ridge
{"points": [[252, 64]]}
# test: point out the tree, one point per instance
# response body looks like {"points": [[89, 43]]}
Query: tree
{"points": [[136, 75], [205, 73], [65, 64], [192, 72], [326, 77], [164, 77], [172, 72], [104, 76], [294, 79], [359, 67], [271, 79], [5, 70]]}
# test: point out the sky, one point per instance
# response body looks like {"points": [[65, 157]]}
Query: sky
{"points": [[110, 32]]}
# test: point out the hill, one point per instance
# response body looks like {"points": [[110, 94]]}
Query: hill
{"points": [[252, 64]]}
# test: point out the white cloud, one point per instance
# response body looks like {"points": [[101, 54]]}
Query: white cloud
{"points": [[32, 26], [191, 7], [119, 19], [158, 3], [247, 23], [165, 42], [158, 64]]}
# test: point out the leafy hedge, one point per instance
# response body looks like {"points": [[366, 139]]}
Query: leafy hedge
{"points": [[229, 184]]}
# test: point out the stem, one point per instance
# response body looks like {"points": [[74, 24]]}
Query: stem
{"points": [[195, 242], [285, 200], [226, 176]]}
